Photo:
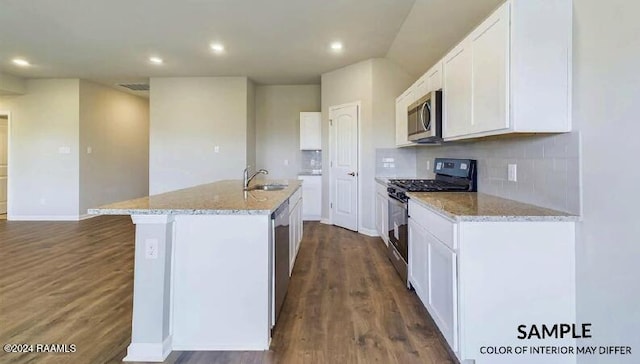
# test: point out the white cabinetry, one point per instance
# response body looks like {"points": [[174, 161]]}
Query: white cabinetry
{"points": [[295, 227], [434, 77], [310, 131], [511, 74], [479, 280], [312, 196], [382, 212], [402, 103]]}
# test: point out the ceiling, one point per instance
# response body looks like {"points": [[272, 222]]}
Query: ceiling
{"points": [[271, 42]]}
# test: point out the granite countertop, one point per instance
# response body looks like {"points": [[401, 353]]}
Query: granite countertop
{"points": [[218, 198], [310, 173], [471, 206], [385, 180]]}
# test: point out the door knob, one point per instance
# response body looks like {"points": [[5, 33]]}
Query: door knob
{"points": [[352, 174]]}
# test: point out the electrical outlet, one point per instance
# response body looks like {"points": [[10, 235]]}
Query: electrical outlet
{"points": [[428, 165], [89, 150], [151, 249], [286, 162], [216, 149], [64, 150], [513, 172]]}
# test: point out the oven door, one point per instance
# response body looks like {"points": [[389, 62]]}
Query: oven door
{"points": [[398, 230]]}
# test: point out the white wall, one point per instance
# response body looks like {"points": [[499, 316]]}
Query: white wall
{"points": [[11, 85], [278, 126], [606, 88], [189, 116], [43, 182], [115, 125], [375, 83], [251, 124]]}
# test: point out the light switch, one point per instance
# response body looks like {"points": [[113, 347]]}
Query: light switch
{"points": [[89, 150], [286, 162], [216, 149], [513, 172]]}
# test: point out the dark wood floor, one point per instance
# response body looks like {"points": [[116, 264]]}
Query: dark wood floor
{"points": [[71, 283]]}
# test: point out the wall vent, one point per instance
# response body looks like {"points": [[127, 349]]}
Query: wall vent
{"points": [[135, 86]]}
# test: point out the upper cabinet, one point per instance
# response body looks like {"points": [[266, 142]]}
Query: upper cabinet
{"points": [[402, 103], [310, 131], [511, 74]]}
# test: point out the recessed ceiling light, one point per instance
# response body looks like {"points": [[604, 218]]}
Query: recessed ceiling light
{"points": [[217, 47], [336, 46], [21, 62], [156, 60]]}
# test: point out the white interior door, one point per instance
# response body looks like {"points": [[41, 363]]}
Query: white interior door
{"points": [[344, 166], [4, 154]]}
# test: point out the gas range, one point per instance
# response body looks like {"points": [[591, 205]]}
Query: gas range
{"points": [[452, 175]]}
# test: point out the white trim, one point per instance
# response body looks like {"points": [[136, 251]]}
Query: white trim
{"points": [[311, 218], [368, 232], [152, 219], [325, 221], [43, 217], [358, 105], [87, 216], [149, 351], [9, 164], [214, 347]]}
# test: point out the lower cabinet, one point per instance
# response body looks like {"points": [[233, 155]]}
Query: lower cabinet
{"points": [[295, 228], [480, 280], [312, 196]]}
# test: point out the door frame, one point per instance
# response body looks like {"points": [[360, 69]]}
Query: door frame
{"points": [[358, 105], [9, 162]]}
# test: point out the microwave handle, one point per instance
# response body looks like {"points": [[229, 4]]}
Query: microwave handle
{"points": [[422, 118]]}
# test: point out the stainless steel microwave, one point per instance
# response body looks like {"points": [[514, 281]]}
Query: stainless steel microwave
{"points": [[425, 119]]}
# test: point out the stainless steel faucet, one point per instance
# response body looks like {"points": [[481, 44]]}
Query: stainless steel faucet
{"points": [[248, 179]]}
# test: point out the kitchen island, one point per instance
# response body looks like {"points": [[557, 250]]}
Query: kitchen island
{"points": [[204, 262]]}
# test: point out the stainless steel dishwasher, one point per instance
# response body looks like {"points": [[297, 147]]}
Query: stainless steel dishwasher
{"points": [[280, 226]]}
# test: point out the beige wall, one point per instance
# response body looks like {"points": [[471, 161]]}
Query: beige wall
{"points": [[278, 126], [606, 55], [251, 124], [11, 85], [44, 182], [115, 125], [375, 83], [189, 117]]}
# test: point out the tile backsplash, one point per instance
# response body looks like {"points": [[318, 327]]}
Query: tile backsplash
{"points": [[395, 162], [548, 173], [310, 160]]}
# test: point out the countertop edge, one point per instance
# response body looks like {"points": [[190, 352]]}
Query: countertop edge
{"points": [[494, 218], [212, 212]]}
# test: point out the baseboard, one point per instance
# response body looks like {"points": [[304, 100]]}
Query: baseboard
{"points": [[368, 232], [312, 218], [43, 217], [325, 221], [149, 352], [87, 216]]}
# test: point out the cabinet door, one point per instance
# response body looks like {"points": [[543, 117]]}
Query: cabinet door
{"points": [[402, 103], [310, 131], [379, 214], [443, 289], [421, 87], [312, 197], [457, 85], [490, 72], [434, 77], [419, 260], [300, 225]]}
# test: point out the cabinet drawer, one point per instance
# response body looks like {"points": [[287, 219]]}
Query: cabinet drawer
{"points": [[435, 224]]}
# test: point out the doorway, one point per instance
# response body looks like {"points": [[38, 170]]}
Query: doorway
{"points": [[4, 164], [344, 124]]}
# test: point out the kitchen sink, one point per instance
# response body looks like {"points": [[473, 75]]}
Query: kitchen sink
{"points": [[268, 187]]}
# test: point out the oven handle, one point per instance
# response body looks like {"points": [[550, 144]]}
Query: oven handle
{"points": [[395, 201]]}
